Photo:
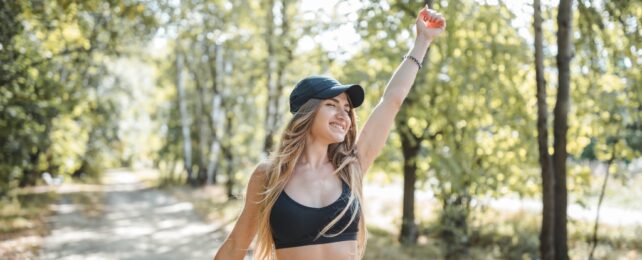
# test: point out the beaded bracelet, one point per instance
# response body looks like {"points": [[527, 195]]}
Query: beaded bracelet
{"points": [[413, 59]]}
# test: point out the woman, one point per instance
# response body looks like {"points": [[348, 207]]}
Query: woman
{"points": [[305, 200]]}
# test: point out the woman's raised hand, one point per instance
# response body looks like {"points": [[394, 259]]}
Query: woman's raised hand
{"points": [[430, 24]]}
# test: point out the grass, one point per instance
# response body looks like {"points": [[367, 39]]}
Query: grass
{"points": [[22, 224], [384, 245], [23, 217], [620, 191], [516, 235], [501, 235]]}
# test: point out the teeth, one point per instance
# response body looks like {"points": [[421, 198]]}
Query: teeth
{"points": [[337, 125]]}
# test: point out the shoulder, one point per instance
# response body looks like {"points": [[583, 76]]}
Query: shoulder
{"points": [[261, 171], [257, 182]]}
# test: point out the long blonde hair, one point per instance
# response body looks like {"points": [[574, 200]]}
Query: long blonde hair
{"points": [[343, 157]]}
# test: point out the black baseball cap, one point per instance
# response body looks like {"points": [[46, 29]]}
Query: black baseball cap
{"points": [[323, 87]]}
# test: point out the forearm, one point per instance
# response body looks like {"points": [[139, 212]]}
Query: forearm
{"points": [[401, 81]]}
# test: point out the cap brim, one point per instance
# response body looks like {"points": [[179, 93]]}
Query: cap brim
{"points": [[355, 93]]}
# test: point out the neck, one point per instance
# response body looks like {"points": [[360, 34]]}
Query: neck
{"points": [[315, 153]]}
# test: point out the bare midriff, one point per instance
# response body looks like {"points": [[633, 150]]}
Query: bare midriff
{"points": [[343, 250]]}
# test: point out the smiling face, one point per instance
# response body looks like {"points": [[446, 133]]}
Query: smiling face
{"points": [[332, 121]]}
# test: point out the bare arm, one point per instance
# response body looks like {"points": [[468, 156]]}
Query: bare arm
{"points": [[375, 132], [237, 243]]}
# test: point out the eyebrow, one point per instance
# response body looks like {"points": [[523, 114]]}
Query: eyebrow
{"points": [[336, 100]]}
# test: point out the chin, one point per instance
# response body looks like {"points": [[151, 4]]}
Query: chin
{"points": [[339, 140]]}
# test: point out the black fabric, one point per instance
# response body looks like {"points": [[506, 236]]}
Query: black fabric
{"points": [[295, 225], [323, 87]]}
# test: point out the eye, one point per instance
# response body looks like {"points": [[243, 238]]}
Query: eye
{"points": [[330, 105]]}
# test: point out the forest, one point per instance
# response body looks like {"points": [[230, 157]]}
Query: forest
{"points": [[521, 137]]}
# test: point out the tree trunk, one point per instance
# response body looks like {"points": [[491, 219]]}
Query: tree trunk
{"points": [[203, 135], [560, 124], [229, 160], [547, 246], [602, 191], [30, 175], [284, 58], [185, 120], [201, 121], [410, 148], [454, 222], [216, 114], [84, 165], [270, 112]]}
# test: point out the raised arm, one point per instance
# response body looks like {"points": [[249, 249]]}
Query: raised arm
{"points": [[429, 24], [237, 243]]}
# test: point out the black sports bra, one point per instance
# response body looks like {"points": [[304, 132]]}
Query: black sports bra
{"points": [[295, 225]]}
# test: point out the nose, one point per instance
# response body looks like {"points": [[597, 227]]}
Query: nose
{"points": [[343, 116]]}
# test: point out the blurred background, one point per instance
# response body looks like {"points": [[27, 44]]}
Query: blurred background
{"points": [[129, 128]]}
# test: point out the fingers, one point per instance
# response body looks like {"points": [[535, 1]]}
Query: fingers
{"points": [[433, 16], [429, 15], [439, 18], [423, 14]]}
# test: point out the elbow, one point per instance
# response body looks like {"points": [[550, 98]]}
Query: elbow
{"points": [[226, 251], [220, 254], [234, 247], [224, 254]]}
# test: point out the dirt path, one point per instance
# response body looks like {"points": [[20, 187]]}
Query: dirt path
{"points": [[126, 220]]}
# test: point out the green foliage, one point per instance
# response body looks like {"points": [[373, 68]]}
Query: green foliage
{"points": [[61, 107], [227, 56], [477, 98], [58, 113], [25, 214], [472, 99], [608, 85]]}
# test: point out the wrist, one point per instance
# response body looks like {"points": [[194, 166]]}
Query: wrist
{"points": [[422, 41], [419, 49], [413, 59]]}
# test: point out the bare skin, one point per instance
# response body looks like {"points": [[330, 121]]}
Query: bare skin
{"points": [[312, 183], [344, 250]]}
